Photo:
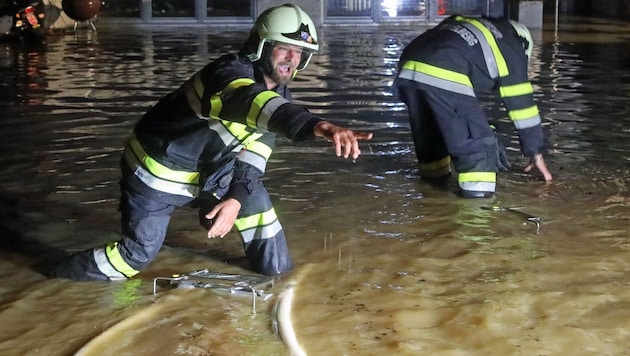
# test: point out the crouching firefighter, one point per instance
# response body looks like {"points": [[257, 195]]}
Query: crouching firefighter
{"points": [[439, 76], [207, 143]]}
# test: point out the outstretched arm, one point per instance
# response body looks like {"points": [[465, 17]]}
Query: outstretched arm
{"points": [[346, 141]]}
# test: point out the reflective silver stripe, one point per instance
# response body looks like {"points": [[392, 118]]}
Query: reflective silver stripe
{"points": [[268, 109], [100, 257], [188, 190], [253, 159], [527, 123], [222, 129], [436, 82], [478, 186], [491, 62], [261, 232]]}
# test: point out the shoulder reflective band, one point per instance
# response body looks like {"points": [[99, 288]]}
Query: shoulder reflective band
{"points": [[494, 59], [437, 77], [215, 100]]}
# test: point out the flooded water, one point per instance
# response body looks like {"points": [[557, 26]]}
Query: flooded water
{"points": [[385, 263]]}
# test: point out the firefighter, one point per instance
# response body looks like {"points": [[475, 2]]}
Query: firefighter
{"points": [[206, 145], [440, 74]]}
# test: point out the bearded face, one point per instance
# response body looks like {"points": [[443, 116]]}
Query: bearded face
{"points": [[282, 64]]}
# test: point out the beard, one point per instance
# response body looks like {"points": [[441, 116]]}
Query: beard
{"points": [[275, 75]]}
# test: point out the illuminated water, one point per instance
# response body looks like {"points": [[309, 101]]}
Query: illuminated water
{"points": [[385, 264]]}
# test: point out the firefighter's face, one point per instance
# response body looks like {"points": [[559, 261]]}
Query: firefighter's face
{"points": [[284, 59]]}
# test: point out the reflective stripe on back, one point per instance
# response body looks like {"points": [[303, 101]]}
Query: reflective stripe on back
{"points": [[437, 77], [497, 67]]}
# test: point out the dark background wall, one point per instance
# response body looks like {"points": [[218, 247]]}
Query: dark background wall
{"points": [[613, 9]]}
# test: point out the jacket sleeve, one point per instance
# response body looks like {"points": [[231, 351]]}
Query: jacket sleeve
{"points": [[517, 95]]}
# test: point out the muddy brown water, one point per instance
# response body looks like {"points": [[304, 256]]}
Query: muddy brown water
{"points": [[385, 264]]}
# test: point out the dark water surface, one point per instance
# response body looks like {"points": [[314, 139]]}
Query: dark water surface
{"points": [[385, 264]]}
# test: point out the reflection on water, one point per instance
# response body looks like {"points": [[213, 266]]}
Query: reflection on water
{"points": [[385, 263]]}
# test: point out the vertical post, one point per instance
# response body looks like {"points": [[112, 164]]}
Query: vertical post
{"points": [[145, 11], [557, 9], [432, 10]]}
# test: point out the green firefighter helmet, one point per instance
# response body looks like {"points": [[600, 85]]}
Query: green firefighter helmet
{"points": [[525, 35], [289, 24]]}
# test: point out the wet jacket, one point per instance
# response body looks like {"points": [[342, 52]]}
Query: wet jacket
{"points": [[469, 56], [220, 123]]}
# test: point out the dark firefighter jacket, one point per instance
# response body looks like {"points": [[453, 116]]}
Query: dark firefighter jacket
{"points": [[221, 119], [470, 56]]}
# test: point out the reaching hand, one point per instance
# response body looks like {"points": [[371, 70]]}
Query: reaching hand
{"points": [[345, 140], [223, 214], [539, 163]]}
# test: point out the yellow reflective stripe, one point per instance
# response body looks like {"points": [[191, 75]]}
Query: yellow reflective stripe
{"points": [[516, 90], [477, 177], [163, 185], [216, 104], [257, 105], [158, 169], [436, 165], [256, 220], [109, 261], [237, 130], [260, 148], [261, 232], [498, 56], [524, 114], [116, 260], [438, 72], [268, 110]]}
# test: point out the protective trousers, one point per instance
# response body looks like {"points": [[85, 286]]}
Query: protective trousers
{"points": [[144, 223], [452, 127]]}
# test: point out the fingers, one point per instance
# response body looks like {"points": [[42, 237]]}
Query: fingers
{"points": [[218, 228], [538, 162], [542, 167], [347, 143], [223, 215]]}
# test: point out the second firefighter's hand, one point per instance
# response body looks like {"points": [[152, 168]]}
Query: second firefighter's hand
{"points": [[538, 162], [345, 140], [223, 216]]}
